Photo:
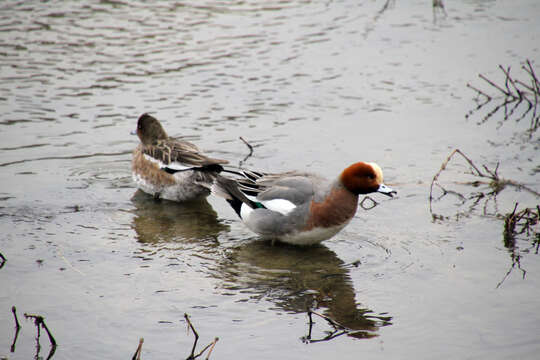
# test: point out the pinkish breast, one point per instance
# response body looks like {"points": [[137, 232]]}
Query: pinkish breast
{"points": [[337, 208]]}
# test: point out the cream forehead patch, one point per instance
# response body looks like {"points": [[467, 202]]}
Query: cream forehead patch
{"points": [[378, 171]]}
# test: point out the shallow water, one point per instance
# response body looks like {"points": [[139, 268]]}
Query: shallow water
{"points": [[311, 85]]}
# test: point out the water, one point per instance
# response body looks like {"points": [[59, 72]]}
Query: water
{"points": [[311, 85]]}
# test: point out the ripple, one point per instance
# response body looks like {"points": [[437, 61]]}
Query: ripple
{"points": [[113, 174], [69, 157], [294, 279]]}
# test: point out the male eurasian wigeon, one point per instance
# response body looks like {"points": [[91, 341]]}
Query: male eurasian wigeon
{"points": [[169, 168], [300, 208]]}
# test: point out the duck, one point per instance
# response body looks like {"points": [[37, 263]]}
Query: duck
{"points": [[299, 208], [169, 168]]}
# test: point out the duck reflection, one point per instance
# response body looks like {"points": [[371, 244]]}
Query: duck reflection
{"points": [[162, 221], [297, 279]]}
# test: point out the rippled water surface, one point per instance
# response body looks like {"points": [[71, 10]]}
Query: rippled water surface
{"points": [[311, 85]]}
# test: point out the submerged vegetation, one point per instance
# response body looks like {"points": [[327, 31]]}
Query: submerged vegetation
{"points": [[39, 321], [476, 188], [521, 225], [490, 178], [339, 329], [518, 98], [192, 355]]}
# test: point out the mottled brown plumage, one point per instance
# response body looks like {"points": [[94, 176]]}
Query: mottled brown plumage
{"points": [[158, 145], [170, 168]]}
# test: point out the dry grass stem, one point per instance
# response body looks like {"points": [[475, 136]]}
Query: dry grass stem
{"points": [[514, 91], [523, 222], [209, 346], [527, 220], [137, 355], [17, 328], [495, 182], [39, 321], [338, 329], [367, 207]]}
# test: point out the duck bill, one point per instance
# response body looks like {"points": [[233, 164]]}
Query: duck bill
{"points": [[386, 190]]}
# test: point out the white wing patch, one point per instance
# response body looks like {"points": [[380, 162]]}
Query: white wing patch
{"points": [[281, 206], [245, 211], [173, 165], [178, 166]]}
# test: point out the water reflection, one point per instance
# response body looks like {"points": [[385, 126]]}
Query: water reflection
{"points": [[521, 236], [162, 222], [517, 101], [296, 279]]}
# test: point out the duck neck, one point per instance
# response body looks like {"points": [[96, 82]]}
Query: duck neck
{"points": [[336, 208]]}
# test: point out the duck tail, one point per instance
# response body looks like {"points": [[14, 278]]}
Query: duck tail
{"points": [[248, 175], [246, 180], [228, 189]]}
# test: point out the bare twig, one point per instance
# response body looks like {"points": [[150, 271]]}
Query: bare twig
{"points": [[511, 81], [492, 174], [17, 328], [137, 355], [496, 183], [508, 114], [211, 345], [519, 186], [192, 355], [516, 260], [531, 89], [366, 207], [250, 147], [509, 229], [40, 322], [528, 219], [17, 324], [530, 71], [443, 167], [190, 325], [529, 108], [514, 91], [506, 93], [331, 321], [387, 5], [479, 91], [338, 328]]}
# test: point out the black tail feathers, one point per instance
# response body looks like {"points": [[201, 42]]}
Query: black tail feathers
{"points": [[228, 189], [211, 168]]}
